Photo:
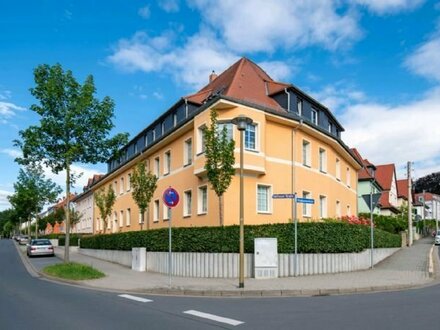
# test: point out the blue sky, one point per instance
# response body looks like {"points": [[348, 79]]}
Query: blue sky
{"points": [[374, 63]]}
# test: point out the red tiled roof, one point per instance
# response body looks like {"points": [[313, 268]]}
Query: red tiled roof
{"points": [[243, 80], [363, 173], [402, 188], [384, 175]]}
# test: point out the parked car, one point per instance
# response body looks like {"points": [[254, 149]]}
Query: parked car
{"points": [[437, 238], [23, 240], [40, 247]]}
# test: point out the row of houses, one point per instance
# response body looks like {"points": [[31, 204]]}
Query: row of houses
{"points": [[292, 144]]}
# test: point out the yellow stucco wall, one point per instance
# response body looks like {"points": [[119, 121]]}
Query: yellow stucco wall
{"points": [[278, 147]]}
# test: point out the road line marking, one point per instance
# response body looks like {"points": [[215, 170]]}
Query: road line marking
{"points": [[214, 317], [134, 298]]}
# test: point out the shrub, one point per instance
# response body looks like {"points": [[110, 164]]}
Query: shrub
{"points": [[388, 223], [315, 237]]}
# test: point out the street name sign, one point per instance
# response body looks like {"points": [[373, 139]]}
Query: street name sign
{"points": [[305, 200], [279, 196]]}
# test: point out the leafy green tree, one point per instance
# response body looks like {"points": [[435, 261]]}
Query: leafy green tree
{"points": [[105, 201], [74, 127], [32, 192], [430, 182], [143, 184], [219, 154]]}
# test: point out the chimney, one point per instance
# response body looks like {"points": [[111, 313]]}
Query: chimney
{"points": [[212, 76]]}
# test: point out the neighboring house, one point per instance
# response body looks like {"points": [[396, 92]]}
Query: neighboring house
{"points": [[59, 226], [293, 145], [84, 205], [430, 203], [388, 202], [367, 183], [402, 193]]}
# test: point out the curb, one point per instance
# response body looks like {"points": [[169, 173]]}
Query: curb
{"points": [[430, 262]]}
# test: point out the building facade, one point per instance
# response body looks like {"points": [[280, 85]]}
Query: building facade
{"points": [[292, 146]]}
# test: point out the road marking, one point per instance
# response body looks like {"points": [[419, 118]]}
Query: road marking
{"points": [[135, 298], [213, 317]]}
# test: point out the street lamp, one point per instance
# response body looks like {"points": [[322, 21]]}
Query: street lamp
{"points": [[241, 122]]}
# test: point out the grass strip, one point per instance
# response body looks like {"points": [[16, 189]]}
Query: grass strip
{"points": [[73, 271]]}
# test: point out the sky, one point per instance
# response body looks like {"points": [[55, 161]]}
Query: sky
{"points": [[374, 63]]}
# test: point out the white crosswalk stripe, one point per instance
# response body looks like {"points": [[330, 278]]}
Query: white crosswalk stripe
{"points": [[135, 298], [214, 317]]}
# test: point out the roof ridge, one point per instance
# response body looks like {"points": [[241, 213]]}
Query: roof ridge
{"points": [[240, 65]]}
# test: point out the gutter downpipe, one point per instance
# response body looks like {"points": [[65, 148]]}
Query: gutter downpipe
{"points": [[294, 204], [288, 99]]}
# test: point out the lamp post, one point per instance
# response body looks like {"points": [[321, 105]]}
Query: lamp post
{"points": [[241, 122]]}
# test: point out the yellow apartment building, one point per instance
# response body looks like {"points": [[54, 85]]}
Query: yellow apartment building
{"points": [[293, 146]]}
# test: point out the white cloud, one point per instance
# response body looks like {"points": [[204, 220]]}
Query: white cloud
{"points": [[260, 25], [144, 12], [425, 61], [389, 6], [4, 95], [170, 6], [4, 202], [338, 96], [278, 70], [396, 134], [14, 153], [8, 109]]}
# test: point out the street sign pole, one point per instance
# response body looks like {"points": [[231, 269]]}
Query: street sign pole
{"points": [[169, 248], [296, 236], [171, 199], [371, 227]]}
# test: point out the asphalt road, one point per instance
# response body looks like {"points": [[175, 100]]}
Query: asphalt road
{"points": [[33, 303]]}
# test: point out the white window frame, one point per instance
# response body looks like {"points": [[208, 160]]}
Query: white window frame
{"points": [[128, 218], [338, 169], [306, 153], [268, 188], [121, 218], [256, 146], [128, 181], [156, 210], [338, 209], [323, 160], [187, 152], [202, 208], [229, 129], [157, 166], [165, 212], [307, 208], [348, 210], [167, 162], [323, 213], [201, 139], [330, 127], [348, 177], [314, 116], [121, 186], [115, 186], [299, 106], [187, 212]]}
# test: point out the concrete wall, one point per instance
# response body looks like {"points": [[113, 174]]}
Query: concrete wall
{"points": [[225, 265]]}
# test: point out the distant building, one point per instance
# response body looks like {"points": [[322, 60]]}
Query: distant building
{"points": [[428, 206]]}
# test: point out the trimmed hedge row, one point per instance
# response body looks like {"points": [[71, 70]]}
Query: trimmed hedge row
{"points": [[62, 238], [391, 224], [312, 238]]}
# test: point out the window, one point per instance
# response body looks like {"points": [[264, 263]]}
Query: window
{"points": [[322, 160], [128, 218], [121, 219], [307, 208], [250, 137], [228, 127], [348, 210], [121, 188], [338, 169], [187, 157], [338, 209], [330, 127], [156, 211], [201, 139], [203, 200], [135, 148], [140, 217], [314, 116], [306, 153], [167, 163], [348, 177], [322, 207], [299, 105], [187, 203], [263, 198], [129, 182], [146, 140], [115, 187], [166, 212], [115, 218], [156, 166]]}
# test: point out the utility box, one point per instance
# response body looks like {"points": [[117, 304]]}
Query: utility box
{"points": [[266, 258], [139, 259]]}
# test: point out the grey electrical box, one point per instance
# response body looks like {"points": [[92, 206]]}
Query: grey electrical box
{"points": [[266, 257]]}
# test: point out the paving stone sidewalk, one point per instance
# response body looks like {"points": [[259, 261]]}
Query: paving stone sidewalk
{"points": [[407, 268]]}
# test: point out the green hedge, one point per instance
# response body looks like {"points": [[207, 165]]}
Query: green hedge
{"points": [[312, 238], [391, 224], [62, 238]]}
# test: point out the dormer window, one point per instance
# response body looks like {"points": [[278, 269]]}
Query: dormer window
{"points": [[299, 105], [314, 116]]}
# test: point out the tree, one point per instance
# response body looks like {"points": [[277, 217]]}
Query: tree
{"points": [[32, 192], [73, 127], [219, 154], [430, 182], [104, 201], [143, 185]]}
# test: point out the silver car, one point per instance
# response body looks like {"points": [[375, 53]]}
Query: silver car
{"points": [[40, 247], [437, 238]]}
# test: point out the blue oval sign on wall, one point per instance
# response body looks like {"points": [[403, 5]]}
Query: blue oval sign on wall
{"points": [[170, 197]]}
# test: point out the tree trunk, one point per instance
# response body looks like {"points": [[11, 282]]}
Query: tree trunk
{"points": [[67, 242], [148, 218], [142, 218], [220, 209], [29, 227], [36, 226]]}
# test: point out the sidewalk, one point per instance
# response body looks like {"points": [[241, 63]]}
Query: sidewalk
{"points": [[407, 268]]}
